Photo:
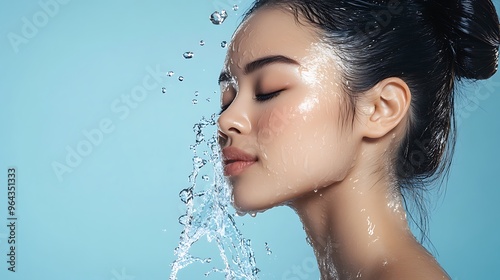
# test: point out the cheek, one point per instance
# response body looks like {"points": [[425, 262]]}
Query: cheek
{"points": [[301, 143]]}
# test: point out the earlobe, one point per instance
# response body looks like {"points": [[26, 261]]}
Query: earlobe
{"points": [[388, 105]]}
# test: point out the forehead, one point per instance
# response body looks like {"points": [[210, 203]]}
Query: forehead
{"points": [[270, 31]]}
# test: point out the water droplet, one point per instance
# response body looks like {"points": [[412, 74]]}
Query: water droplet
{"points": [[308, 240], [202, 43], [199, 162], [181, 78], [185, 220], [196, 93], [170, 73], [235, 7], [163, 90], [268, 250], [208, 99], [205, 178], [188, 55], [195, 101], [253, 214], [223, 44], [218, 18], [186, 195]]}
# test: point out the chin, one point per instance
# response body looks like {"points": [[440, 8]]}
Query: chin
{"points": [[255, 200]]}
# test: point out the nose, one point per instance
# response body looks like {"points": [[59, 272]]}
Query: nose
{"points": [[234, 122]]}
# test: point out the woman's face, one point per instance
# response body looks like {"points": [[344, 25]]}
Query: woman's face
{"points": [[281, 130]]}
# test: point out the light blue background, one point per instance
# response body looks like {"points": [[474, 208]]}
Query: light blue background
{"points": [[115, 215]]}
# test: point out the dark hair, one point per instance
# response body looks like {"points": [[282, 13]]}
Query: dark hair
{"points": [[429, 44]]}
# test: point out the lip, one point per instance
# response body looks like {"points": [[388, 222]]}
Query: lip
{"points": [[236, 161]]}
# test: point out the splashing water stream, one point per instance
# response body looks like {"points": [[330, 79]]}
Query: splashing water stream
{"points": [[207, 215]]}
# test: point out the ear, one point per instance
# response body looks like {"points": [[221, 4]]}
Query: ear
{"points": [[385, 106]]}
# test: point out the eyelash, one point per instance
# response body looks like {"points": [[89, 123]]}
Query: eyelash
{"points": [[267, 96], [258, 97]]}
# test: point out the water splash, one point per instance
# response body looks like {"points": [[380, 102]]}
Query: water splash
{"points": [[207, 215], [268, 249]]}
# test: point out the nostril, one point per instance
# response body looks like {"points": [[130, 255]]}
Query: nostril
{"points": [[235, 130], [222, 138]]}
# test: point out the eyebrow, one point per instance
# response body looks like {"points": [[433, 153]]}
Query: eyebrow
{"points": [[258, 64]]}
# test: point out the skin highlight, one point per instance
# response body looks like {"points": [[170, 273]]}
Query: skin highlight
{"points": [[283, 102]]}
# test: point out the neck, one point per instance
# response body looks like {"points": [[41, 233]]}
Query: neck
{"points": [[355, 226]]}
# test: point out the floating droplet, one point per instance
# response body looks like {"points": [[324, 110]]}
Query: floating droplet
{"points": [[163, 90], [268, 250], [205, 178], [235, 7], [188, 55], [181, 78], [223, 44], [170, 73], [196, 93], [202, 43], [195, 101], [218, 18]]}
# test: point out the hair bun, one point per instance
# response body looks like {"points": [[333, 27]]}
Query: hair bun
{"points": [[473, 32]]}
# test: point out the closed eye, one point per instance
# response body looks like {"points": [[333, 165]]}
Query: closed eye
{"points": [[267, 96]]}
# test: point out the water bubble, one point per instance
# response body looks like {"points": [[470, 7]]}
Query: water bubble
{"points": [[253, 214], [170, 73], [188, 55], [195, 101], [208, 99], [205, 178], [218, 18], [163, 90], [181, 78], [223, 44], [235, 7], [196, 93], [202, 43]]}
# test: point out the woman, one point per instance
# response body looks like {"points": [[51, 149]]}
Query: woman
{"points": [[339, 108]]}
